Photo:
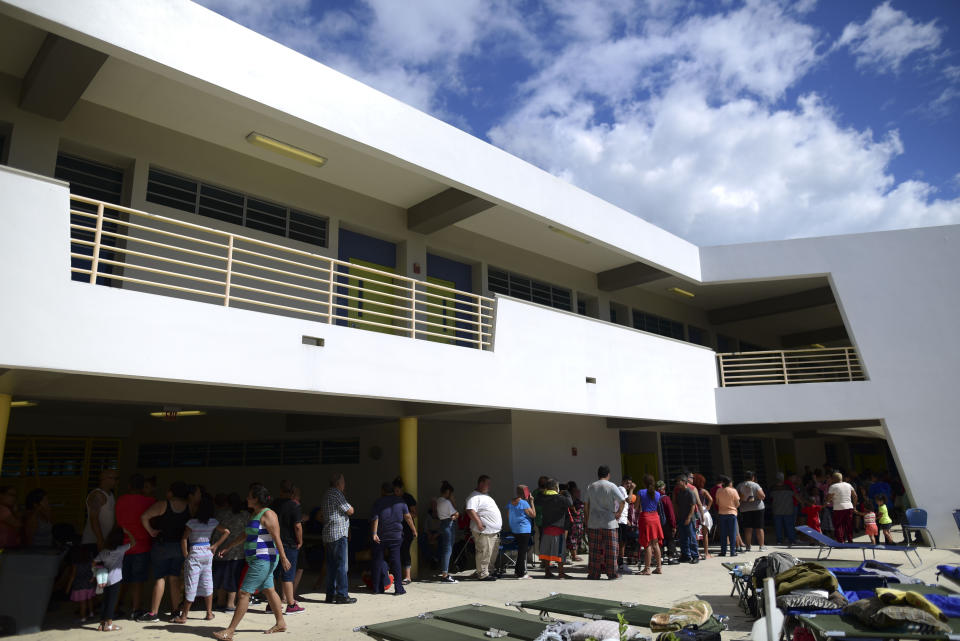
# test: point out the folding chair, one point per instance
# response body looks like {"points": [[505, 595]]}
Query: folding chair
{"points": [[508, 543], [916, 522]]}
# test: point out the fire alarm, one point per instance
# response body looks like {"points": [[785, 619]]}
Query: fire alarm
{"points": [[573, 451], [416, 268]]}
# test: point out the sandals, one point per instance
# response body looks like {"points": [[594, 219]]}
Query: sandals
{"points": [[223, 635], [276, 629], [646, 572], [113, 627]]}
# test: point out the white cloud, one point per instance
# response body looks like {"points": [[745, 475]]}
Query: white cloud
{"points": [[887, 38], [700, 149]]}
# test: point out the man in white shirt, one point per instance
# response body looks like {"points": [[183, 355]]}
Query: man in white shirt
{"points": [[604, 503], [485, 524]]}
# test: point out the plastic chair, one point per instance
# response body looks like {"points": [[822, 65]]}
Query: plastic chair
{"points": [[916, 521]]}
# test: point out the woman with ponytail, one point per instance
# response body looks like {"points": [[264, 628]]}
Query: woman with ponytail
{"points": [[649, 532]]}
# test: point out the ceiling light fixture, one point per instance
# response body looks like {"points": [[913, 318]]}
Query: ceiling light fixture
{"points": [[177, 413], [570, 235], [285, 149], [681, 292], [23, 404], [817, 346]]}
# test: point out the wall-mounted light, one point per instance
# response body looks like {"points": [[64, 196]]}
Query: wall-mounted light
{"points": [[681, 292], [817, 346], [23, 404], [570, 235], [284, 149]]}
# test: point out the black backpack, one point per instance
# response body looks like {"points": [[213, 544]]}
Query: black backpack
{"points": [[690, 633]]}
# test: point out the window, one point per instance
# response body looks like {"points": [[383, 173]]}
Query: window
{"points": [[691, 453], [250, 453], [750, 347], [746, 454], [697, 336], [4, 143], [582, 307], [503, 282], [100, 182], [657, 325], [340, 452], [186, 194], [726, 344]]}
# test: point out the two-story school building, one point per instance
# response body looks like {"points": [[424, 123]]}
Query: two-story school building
{"points": [[224, 262]]}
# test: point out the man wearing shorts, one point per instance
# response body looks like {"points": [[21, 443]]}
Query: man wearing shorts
{"points": [[751, 510]]}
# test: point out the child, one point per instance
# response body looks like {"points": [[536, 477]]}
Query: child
{"points": [[883, 518], [111, 557], [812, 511], [870, 524], [198, 551], [80, 581]]}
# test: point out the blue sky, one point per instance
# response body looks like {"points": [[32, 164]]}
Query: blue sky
{"points": [[721, 121]]}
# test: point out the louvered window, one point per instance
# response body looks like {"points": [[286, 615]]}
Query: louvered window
{"points": [[682, 452], [746, 454], [67, 468], [503, 282], [91, 180], [185, 194], [340, 452], [191, 454], [697, 336], [657, 325]]}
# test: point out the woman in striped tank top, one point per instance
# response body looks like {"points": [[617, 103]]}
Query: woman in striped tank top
{"points": [[263, 550]]}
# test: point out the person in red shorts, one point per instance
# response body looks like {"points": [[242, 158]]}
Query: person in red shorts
{"points": [[136, 560]]}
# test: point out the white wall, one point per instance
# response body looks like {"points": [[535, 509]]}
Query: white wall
{"points": [[899, 296], [541, 359], [193, 45], [543, 444]]}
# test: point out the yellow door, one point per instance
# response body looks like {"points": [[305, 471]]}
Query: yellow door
{"points": [[636, 465], [376, 292], [443, 303]]}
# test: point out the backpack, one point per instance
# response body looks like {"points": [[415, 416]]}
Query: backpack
{"points": [[771, 565], [662, 513], [690, 633]]}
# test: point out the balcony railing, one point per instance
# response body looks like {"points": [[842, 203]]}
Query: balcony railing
{"points": [[789, 367], [119, 246]]}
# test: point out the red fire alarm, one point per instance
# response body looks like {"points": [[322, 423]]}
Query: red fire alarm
{"points": [[416, 268], [573, 451]]}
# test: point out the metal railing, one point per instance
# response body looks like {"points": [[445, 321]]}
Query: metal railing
{"points": [[790, 367], [125, 247]]}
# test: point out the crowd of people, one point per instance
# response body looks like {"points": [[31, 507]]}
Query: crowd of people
{"points": [[228, 550]]}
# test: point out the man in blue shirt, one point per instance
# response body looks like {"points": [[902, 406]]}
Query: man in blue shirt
{"points": [[389, 514], [878, 486]]}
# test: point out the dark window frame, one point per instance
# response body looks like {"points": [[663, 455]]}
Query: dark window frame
{"points": [[174, 190]]}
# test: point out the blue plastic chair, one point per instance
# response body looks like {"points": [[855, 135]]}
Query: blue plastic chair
{"points": [[917, 522]]}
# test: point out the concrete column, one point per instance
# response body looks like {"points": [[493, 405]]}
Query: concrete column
{"points": [[408, 471], [4, 423], [34, 144], [726, 463]]}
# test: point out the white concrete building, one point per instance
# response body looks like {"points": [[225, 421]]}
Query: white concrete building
{"points": [[196, 218]]}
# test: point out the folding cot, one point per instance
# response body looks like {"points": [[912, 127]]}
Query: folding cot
{"points": [[834, 626], [950, 573], [591, 608], [462, 623], [829, 545]]}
